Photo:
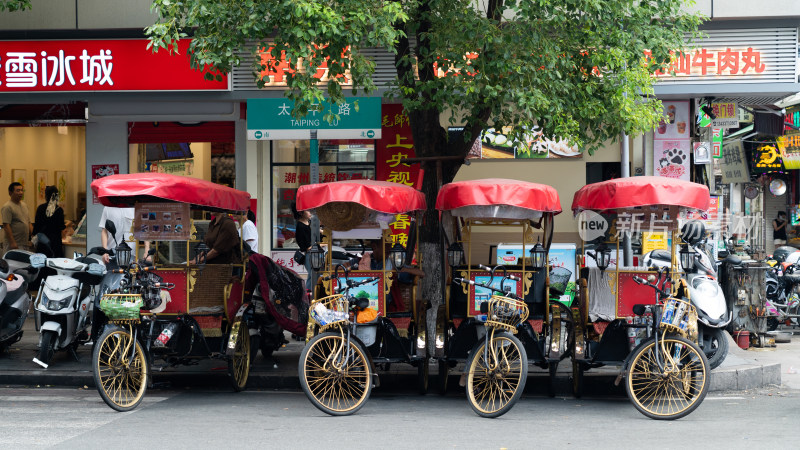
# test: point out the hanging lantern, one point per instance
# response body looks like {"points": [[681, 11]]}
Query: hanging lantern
{"points": [[455, 254], [397, 255], [124, 254], [602, 256], [687, 255], [317, 256], [538, 256]]}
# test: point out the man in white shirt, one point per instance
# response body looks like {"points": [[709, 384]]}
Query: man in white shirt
{"points": [[123, 221], [249, 232]]}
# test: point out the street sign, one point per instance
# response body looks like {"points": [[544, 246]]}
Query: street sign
{"points": [[271, 119]]}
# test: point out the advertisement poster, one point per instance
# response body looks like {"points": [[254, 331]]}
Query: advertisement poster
{"points": [[162, 222], [734, 163], [501, 144], [654, 241], [562, 260], [285, 259], [100, 171], [671, 158], [481, 294], [676, 124]]}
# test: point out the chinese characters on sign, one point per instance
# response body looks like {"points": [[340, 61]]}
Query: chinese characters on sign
{"points": [[727, 115], [734, 164], [271, 119], [767, 158], [790, 150], [90, 65], [395, 145], [707, 61]]}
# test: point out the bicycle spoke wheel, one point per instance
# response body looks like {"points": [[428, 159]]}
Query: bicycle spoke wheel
{"points": [[678, 389], [496, 378], [337, 380], [239, 362], [120, 369]]}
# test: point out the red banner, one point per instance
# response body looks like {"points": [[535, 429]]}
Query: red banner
{"points": [[396, 143], [98, 65]]}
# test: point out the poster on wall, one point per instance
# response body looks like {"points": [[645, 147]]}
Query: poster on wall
{"points": [[162, 221], [533, 144], [61, 183], [100, 171], [671, 158], [676, 123], [734, 163], [40, 176]]}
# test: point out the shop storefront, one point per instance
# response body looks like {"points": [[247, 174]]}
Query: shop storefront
{"points": [[77, 110]]}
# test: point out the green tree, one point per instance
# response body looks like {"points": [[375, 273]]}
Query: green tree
{"points": [[14, 5], [573, 67]]}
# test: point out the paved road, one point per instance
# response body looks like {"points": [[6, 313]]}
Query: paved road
{"points": [[77, 418]]}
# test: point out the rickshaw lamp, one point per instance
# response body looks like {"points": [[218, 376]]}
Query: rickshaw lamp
{"points": [[200, 252], [603, 256], [538, 256], [455, 254], [317, 257], [124, 254], [397, 255], [687, 257]]}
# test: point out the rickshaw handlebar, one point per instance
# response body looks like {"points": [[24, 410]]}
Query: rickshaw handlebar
{"points": [[492, 270], [484, 285], [351, 284], [640, 280]]}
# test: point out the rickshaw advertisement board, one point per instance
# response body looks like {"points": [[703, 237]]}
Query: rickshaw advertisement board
{"points": [[480, 294], [172, 301], [562, 257], [162, 222], [373, 291]]}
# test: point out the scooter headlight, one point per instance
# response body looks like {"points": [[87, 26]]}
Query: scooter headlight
{"points": [[54, 304]]}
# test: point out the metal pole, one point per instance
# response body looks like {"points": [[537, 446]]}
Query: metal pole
{"points": [[314, 179], [625, 171]]}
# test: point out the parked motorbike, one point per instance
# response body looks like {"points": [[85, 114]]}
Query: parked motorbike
{"points": [[783, 297], [15, 301], [704, 290], [64, 303]]}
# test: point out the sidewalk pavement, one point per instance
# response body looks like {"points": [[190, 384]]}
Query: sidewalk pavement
{"points": [[741, 370]]}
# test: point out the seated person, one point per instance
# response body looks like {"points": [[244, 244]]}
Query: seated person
{"points": [[222, 240]]}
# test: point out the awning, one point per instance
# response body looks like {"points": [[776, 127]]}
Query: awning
{"points": [[496, 192], [623, 193], [127, 189], [381, 196]]}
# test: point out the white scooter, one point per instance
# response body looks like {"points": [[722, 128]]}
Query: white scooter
{"points": [[15, 277], [705, 292], [63, 307]]}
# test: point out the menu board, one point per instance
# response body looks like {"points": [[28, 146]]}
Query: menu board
{"points": [[162, 222]]}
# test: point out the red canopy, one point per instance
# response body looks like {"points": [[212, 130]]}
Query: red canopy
{"points": [[498, 191], [381, 196], [125, 190], [622, 193]]}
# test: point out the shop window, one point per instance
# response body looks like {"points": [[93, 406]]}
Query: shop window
{"points": [[338, 160]]}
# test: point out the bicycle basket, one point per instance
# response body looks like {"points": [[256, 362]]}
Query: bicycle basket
{"points": [[121, 306], [559, 278], [506, 313], [678, 316], [329, 311]]}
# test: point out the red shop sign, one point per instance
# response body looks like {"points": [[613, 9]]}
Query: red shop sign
{"points": [[98, 65]]}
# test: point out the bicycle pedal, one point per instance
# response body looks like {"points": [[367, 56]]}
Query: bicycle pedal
{"points": [[619, 378]]}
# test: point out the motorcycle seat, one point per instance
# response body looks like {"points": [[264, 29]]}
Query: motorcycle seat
{"points": [[792, 278], [88, 278]]}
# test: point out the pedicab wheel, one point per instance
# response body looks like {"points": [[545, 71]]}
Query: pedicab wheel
{"points": [[337, 380], [120, 369], [422, 376], [239, 362], [577, 379], [677, 391], [444, 374], [494, 385]]}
